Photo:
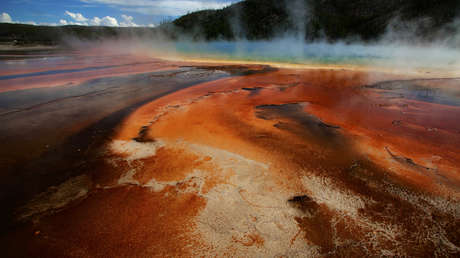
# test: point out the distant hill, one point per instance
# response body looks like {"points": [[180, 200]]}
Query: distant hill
{"points": [[267, 19], [312, 19], [23, 34]]}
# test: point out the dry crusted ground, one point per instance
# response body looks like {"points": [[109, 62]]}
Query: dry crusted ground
{"points": [[289, 163]]}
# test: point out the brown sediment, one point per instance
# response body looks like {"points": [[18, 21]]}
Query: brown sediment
{"points": [[241, 165], [127, 221], [168, 165], [324, 125], [72, 123]]}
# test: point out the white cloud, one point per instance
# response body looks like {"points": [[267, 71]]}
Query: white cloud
{"points": [[105, 21], [96, 21], [76, 16], [128, 21], [164, 7], [127, 18], [109, 21], [79, 19], [6, 18]]}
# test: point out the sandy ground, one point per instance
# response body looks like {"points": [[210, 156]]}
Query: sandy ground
{"points": [[205, 159]]}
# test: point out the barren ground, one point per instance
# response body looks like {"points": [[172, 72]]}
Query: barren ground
{"points": [[139, 157]]}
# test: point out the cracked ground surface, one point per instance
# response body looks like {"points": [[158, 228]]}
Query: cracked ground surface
{"points": [[272, 163]]}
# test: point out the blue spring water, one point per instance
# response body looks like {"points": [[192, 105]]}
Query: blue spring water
{"points": [[299, 52]]}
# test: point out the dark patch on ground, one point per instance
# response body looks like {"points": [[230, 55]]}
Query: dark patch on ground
{"points": [[142, 135], [412, 89], [407, 161], [304, 203], [253, 91], [284, 87], [294, 119], [316, 225], [239, 70]]}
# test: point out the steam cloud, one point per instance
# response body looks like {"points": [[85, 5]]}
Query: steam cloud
{"points": [[401, 46]]}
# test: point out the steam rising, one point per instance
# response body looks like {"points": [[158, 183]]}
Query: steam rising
{"points": [[290, 50], [402, 46], [383, 54]]}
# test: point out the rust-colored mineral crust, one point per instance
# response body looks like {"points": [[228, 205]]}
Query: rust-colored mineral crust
{"points": [[274, 162]]}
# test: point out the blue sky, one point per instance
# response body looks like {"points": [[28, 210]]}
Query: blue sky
{"points": [[101, 12]]}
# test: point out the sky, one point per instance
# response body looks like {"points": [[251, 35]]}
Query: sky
{"points": [[124, 13]]}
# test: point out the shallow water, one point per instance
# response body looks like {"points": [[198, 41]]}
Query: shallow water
{"points": [[295, 51], [413, 89], [52, 72]]}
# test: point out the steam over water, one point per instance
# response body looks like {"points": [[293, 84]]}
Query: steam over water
{"points": [[299, 52]]}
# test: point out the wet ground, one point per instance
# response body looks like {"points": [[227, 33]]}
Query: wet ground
{"points": [[141, 157]]}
